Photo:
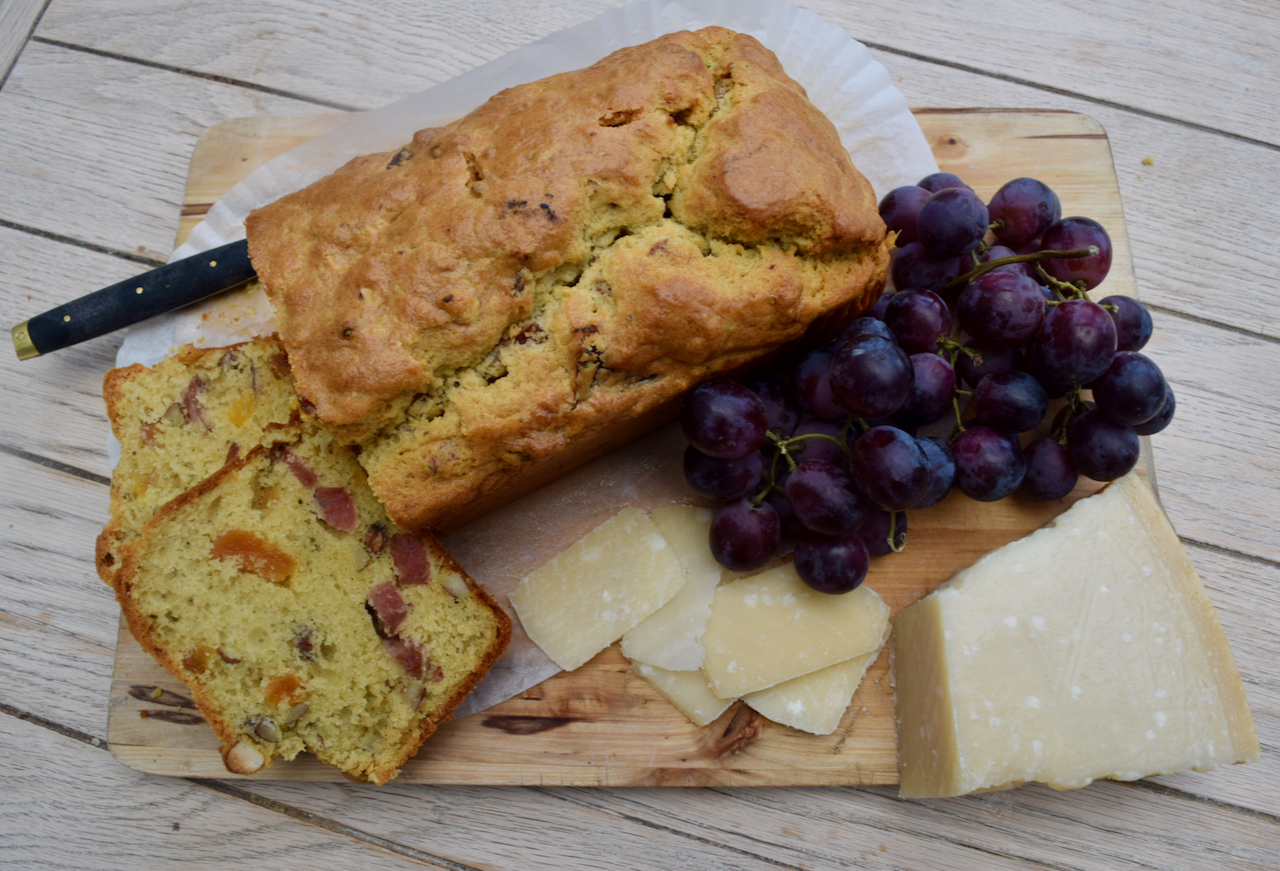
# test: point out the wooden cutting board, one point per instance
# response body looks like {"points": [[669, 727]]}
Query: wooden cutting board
{"points": [[602, 725]]}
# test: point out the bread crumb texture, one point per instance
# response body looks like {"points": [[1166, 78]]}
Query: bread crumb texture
{"points": [[301, 617], [572, 254], [178, 422]]}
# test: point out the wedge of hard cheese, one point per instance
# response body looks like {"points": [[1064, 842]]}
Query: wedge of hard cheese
{"points": [[771, 627], [1088, 649], [601, 586], [814, 702], [689, 691]]}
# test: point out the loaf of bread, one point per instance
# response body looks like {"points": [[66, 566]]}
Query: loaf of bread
{"points": [[300, 617], [178, 422], [511, 295]]}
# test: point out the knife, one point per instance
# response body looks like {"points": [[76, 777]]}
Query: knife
{"points": [[132, 301]]}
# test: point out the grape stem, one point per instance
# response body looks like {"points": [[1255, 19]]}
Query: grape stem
{"points": [[784, 444], [955, 404], [983, 268], [893, 528], [1075, 406]]}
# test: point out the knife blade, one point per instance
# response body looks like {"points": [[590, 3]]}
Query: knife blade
{"points": [[134, 300]]}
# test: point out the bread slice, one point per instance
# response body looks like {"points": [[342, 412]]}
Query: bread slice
{"points": [[301, 617], [179, 421]]}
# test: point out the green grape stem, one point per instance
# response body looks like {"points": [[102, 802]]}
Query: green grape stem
{"points": [[893, 527], [784, 446], [983, 268]]}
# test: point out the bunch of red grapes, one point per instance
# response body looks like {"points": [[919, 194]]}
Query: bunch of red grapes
{"points": [[990, 323]]}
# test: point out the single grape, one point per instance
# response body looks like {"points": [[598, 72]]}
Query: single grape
{"points": [[899, 209], [989, 463], [1076, 342], [942, 472], [868, 326], [871, 377], [884, 532], [1050, 473], [1131, 391], [722, 479], [1163, 416], [988, 358], [812, 379], [952, 223], [889, 468], [1070, 234], [1001, 308], [933, 388], [745, 536], [782, 409], [937, 181], [832, 565], [1133, 322], [724, 419], [1012, 401], [824, 498], [1023, 209], [1100, 449], [917, 319], [818, 448], [911, 267]]}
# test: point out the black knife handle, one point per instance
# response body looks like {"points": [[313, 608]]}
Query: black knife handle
{"points": [[132, 301]]}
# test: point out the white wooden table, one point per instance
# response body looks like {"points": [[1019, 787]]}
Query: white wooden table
{"points": [[101, 103]]}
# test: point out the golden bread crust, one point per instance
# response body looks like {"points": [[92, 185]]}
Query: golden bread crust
{"points": [[563, 261]]}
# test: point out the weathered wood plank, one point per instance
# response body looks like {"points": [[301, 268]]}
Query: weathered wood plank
{"points": [[1211, 64], [17, 20], [97, 149], [67, 804], [53, 404], [57, 620], [1128, 827], [356, 57]]}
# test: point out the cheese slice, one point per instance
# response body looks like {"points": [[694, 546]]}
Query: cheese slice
{"points": [[689, 691], [586, 597], [814, 702], [772, 627], [1088, 649], [671, 638]]}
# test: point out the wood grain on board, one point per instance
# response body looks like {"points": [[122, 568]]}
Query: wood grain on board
{"points": [[602, 724]]}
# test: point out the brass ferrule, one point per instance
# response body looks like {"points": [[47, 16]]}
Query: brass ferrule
{"points": [[22, 342]]}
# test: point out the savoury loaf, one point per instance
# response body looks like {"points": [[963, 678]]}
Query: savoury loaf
{"points": [[301, 618], [513, 294], [179, 421]]}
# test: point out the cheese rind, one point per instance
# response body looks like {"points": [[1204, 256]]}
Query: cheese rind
{"points": [[772, 627], [671, 637], [1088, 649], [814, 702], [689, 691], [602, 585]]}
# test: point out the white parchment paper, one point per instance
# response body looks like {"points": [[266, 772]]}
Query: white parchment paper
{"points": [[842, 79]]}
